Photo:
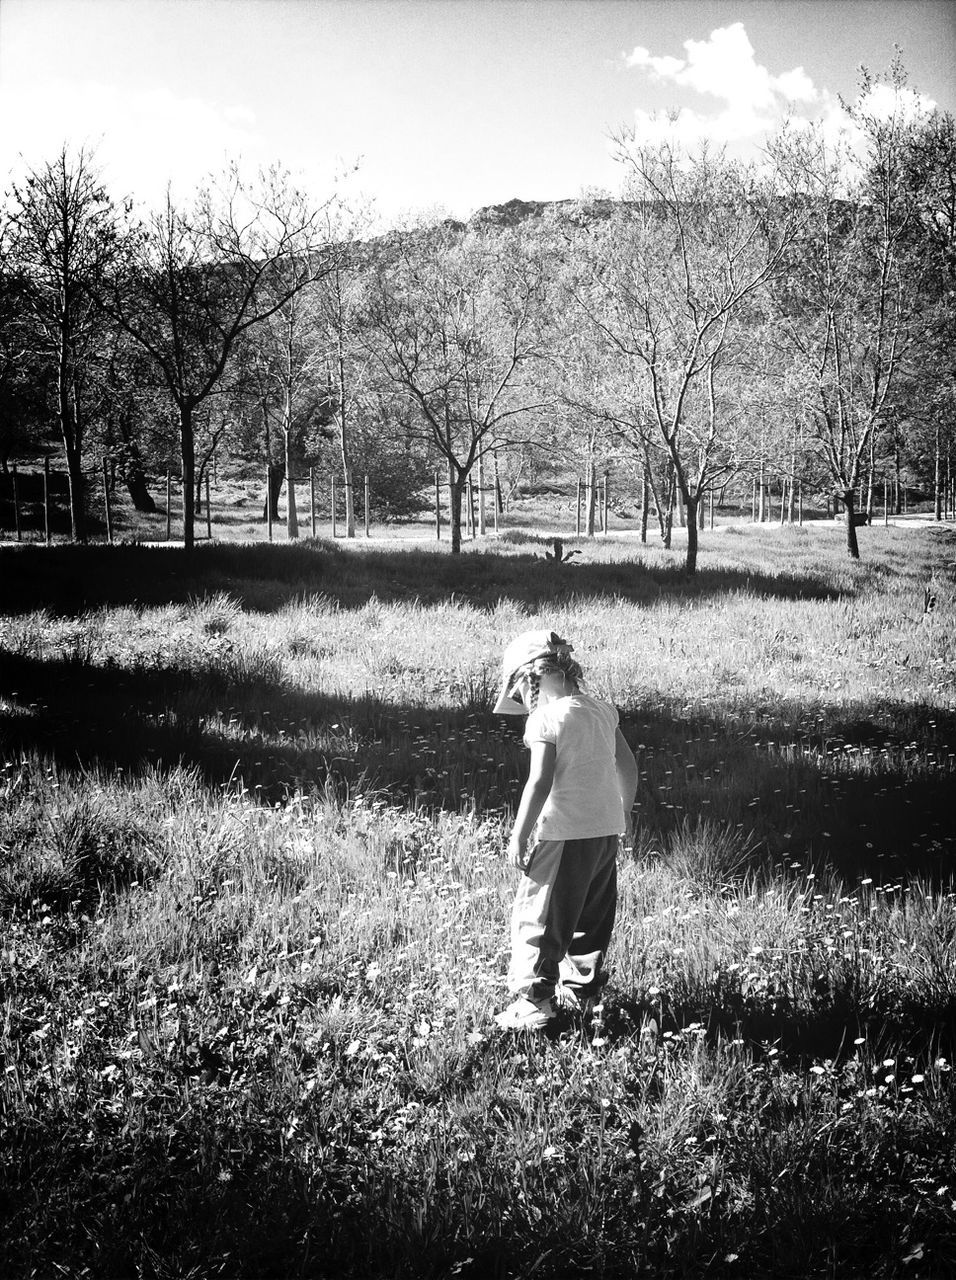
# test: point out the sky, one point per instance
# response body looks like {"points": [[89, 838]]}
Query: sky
{"points": [[432, 105]]}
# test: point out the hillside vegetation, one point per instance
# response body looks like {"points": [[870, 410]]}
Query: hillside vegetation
{"points": [[252, 809]]}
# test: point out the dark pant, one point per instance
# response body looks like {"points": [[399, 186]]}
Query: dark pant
{"points": [[562, 917]]}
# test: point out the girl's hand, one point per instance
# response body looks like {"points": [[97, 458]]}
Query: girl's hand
{"points": [[518, 853]]}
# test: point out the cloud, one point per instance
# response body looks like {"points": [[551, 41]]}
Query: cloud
{"points": [[750, 100], [140, 139], [885, 101]]}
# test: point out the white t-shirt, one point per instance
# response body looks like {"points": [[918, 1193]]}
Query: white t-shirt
{"points": [[584, 799]]}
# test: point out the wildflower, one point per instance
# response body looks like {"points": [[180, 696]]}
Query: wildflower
{"points": [[818, 1070]]}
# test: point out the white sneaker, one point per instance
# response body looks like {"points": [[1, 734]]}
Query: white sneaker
{"points": [[570, 1001], [566, 998], [526, 1015]]}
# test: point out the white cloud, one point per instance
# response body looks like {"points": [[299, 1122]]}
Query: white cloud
{"points": [[750, 100], [796, 86], [885, 101], [140, 139], [665, 68]]}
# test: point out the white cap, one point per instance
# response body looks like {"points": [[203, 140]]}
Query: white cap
{"points": [[525, 648]]}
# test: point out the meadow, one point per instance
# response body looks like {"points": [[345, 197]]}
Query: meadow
{"points": [[253, 806]]}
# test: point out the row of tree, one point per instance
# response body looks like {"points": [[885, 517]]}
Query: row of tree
{"points": [[717, 321]]}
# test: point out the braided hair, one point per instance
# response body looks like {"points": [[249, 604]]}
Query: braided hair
{"points": [[560, 661]]}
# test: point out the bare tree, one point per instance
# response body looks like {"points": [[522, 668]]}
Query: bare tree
{"points": [[195, 281], [455, 323], [288, 357], [63, 243], [346, 357], [846, 304], [670, 291]]}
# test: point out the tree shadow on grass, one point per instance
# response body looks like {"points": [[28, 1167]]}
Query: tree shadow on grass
{"points": [[264, 735], [69, 580], [861, 791], [218, 1189]]}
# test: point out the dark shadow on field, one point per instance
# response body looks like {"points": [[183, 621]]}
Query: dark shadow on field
{"points": [[859, 791], [254, 732], [214, 1194], [867, 792], [792, 1034], [69, 580]]}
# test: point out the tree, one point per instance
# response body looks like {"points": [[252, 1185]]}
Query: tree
{"points": [[289, 358], [63, 243], [23, 376], [930, 175], [846, 304], [340, 308], [670, 291], [127, 418], [195, 281], [455, 324]]}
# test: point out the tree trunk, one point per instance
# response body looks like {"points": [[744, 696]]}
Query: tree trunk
{"points": [[187, 442], [456, 489], [74, 466], [70, 434], [481, 494], [292, 515], [134, 477], [852, 545], [869, 476], [937, 480], [691, 505], [645, 503], [589, 522], [276, 476], [667, 525]]}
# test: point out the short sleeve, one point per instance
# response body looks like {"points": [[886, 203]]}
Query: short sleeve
{"points": [[540, 727]]}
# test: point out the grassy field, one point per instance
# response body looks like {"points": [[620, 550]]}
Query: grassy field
{"points": [[252, 808]]}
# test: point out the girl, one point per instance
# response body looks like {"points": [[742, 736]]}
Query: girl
{"points": [[580, 789]]}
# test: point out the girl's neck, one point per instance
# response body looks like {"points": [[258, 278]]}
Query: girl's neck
{"points": [[553, 687]]}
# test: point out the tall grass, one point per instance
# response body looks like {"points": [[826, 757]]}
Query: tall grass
{"points": [[254, 914]]}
